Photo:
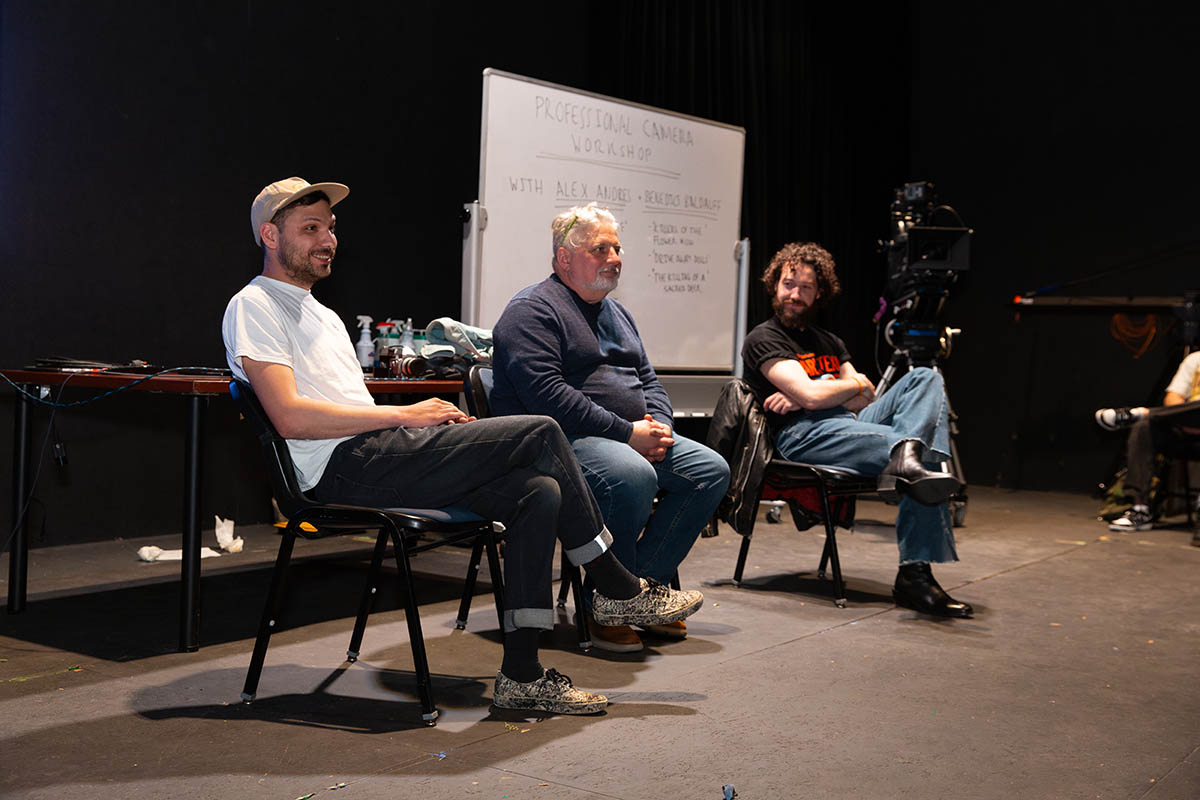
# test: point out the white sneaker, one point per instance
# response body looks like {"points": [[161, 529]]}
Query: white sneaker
{"points": [[1112, 419], [1135, 519]]}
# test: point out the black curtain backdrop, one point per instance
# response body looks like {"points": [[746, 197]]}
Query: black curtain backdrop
{"points": [[824, 102], [133, 135]]}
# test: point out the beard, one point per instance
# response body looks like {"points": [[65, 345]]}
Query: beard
{"points": [[605, 282], [298, 263], [793, 315]]}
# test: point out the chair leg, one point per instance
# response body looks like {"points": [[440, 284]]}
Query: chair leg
{"points": [[1188, 501], [824, 559], [429, 712], [839, 586], [741, 562], [464, 607], [493, 553], [564, 585], [581, 623], [270, 613], [368, 598]]}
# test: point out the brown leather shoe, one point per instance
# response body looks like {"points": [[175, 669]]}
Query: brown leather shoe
{"points": [[614, 638], [672, 630]]}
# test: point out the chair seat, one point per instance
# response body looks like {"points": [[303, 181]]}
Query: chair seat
{"points": [[839, 480], [334, 518], [839, 471], [448, 514]]}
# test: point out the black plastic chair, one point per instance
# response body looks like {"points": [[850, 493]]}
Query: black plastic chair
{"points": [[405, 528], [837, 489], [478, 389], [1183, 449]]}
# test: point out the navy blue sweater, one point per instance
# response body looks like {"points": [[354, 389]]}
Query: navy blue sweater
{"points": [[581, 363]]}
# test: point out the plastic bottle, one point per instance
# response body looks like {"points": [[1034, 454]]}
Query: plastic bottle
{"points": [[384, 333], [393, 334], [419, 341], [365, 346], [406, 339]]}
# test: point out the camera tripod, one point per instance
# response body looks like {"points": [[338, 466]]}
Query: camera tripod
{"points": [[922, 345]]}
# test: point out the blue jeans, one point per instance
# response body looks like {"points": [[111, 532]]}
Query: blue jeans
{"points": [[692, 478], [913, 408]]}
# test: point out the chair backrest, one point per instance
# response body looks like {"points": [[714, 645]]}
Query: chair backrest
{"points": [[280, 470], [478, 390]]}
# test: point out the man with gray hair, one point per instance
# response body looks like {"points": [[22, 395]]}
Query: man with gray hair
{"points": [[298, 357], [565, 349]]}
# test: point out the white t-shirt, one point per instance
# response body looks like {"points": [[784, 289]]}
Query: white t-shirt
{"points": [[278, 323], [1186, 382]]}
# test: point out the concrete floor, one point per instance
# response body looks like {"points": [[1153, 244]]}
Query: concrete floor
{"points": [[1077, 678]]}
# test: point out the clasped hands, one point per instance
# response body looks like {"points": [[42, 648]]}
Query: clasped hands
{"points": [[651, 438]]}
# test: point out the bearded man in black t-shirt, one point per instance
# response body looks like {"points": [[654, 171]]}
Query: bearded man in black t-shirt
{"points": [[823, 411]]}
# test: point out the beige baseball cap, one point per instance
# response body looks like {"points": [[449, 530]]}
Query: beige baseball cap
{"points": [[278, 194]]}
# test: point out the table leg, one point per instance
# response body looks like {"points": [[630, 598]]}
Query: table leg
{"points": [[18, 551], [189, 601]]}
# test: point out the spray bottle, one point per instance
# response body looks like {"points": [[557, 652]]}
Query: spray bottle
{"points": [[407, 347], [393, 335], [365, 347]]}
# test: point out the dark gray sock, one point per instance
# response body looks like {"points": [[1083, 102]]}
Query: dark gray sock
{"points": [[521, 655], [611, 577]]}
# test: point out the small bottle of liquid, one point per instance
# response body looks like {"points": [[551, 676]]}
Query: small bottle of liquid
{"points": [[406, 339], [365, 348], [384, 333]]}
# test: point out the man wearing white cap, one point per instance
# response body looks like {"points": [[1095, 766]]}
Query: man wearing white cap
{"points": [[300, 361]]}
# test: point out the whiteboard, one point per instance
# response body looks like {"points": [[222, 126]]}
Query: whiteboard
{"points": [[673, 182]]}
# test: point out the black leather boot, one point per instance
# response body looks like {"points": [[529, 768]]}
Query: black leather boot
{"points": [[905, 474], [916, 588]]}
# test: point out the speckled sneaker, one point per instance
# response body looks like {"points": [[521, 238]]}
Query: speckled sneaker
{"points": [[656, 605], [552, 692]]}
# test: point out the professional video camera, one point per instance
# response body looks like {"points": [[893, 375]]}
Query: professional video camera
{"points": [[924, 259]]}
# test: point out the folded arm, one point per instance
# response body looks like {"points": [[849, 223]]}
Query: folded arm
{"points": [[296, 417], [798, 391]]}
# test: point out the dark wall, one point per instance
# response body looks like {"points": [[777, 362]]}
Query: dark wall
{"points": [[1061, 137], [133, 136], [132, 139]]}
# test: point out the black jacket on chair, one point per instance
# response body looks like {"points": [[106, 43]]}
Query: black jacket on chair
{"points": [[740, 434]]}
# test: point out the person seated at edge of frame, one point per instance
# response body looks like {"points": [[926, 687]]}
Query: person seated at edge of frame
{"points": [[566, 349], [1153, 431], [298, 357], [821, 410]]}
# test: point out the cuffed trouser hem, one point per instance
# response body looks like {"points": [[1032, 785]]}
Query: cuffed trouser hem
{"points": [[541, 618], [591, 550]]}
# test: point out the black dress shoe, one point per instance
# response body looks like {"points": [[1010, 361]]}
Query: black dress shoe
{"points": [[916, 588], [905, 474]]}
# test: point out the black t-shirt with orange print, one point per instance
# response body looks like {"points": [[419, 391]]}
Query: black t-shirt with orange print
{"points": [[820, 352]]}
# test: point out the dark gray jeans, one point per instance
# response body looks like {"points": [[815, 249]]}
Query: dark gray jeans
{"points": [[517, 470], [1160, 431]]}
